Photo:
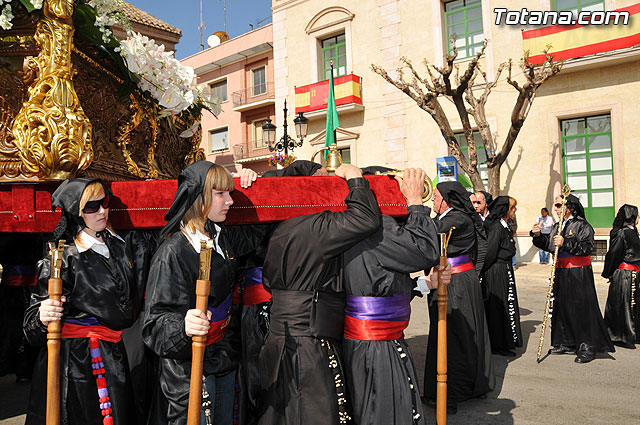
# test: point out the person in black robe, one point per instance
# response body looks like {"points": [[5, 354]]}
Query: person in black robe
{"points": [[577, 326], [301, 370], [103, 275], [469, 370], [381, 376], [621, 267], [201, 203], [498, 279]]}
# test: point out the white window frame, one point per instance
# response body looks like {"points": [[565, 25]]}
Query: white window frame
{"points": [[316, 69], [218, 81], [253, 83], [253, 131], [209, 139]]}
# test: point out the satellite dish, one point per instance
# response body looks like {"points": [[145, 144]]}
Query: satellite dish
{"points": [[216, 38]]}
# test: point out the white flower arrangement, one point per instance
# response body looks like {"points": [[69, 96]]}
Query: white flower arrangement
{"points": [[108, 13], [6, 16]]}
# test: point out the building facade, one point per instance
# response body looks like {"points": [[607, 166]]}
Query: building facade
{"points": [[240, 72], [583, 127]]}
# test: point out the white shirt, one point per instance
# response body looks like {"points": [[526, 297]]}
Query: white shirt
{"points": [[483, 217], [546, 224], [85, 242], [197, 236], [444, 213]]}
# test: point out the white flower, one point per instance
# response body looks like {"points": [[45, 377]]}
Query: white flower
{"points": [[37, 4], [6, 17], [191, 131]]}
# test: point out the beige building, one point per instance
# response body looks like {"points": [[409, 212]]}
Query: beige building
{"points": [[583, 127]]}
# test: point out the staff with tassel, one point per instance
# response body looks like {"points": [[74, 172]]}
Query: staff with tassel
{"points": [[54, 333], [566, 190], [441, 406], [199, 343]]}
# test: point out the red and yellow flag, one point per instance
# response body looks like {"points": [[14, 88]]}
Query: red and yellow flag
{"points": [[573, 41]]}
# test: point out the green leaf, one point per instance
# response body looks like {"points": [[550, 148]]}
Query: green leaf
{"points": [[27, 5]]}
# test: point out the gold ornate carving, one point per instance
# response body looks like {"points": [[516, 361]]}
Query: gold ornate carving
{"points": [[52, 132], [196, 153], [141, 109]]}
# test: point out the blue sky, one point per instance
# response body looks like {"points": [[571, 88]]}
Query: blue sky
{"points": [[185, 14]]}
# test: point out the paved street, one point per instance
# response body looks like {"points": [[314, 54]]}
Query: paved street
{"points": [[556, 391]]}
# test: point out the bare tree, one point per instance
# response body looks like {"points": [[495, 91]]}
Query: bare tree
{"points": [[470, 100]]}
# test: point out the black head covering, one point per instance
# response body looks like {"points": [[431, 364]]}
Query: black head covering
{"points": [[299, 168], [458, 198], [373, 169], [190, 186], [627, 215], [487, 197], [499, 207], [574, 205], [67, 198]]}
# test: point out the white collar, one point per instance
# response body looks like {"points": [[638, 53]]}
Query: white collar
{"points": [[564, 223], [196, 236], [504, 224], [444, 213], [85, 242], [484, 217]]}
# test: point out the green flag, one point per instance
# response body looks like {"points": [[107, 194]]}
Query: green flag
{"points": [[332, 116]]}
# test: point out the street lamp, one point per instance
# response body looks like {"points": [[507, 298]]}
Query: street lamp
{"points": [[286, 142]]}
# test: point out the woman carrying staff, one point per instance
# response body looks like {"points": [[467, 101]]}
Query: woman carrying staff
{"points": [[621, 267], [199, 207], [498, 279], [103, 278]]}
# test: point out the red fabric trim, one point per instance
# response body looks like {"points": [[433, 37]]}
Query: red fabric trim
{"points": [[573, 262], [19, 280], [554, 29], [373, 330], [217, 331], [627, 266], [255, 294], [590, 49], [70, 330], [461, 268]]}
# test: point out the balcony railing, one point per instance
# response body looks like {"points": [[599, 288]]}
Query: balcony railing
{"points": [[313, 97], [254, 94], [250, 149]]}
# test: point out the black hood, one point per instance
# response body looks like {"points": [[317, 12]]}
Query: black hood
{"points": [[190, 186], [574, 205], [487, 196], [458, 198], [299, 168], [627, 215], [67, 197], [499, 207]]}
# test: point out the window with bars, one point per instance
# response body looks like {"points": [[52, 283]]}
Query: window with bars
{"points": [[481, 152], [578, 5], [258, 139], [334, 49], [219, 139], [219, 89], [463, 19], [259, 81], [588, 165]]}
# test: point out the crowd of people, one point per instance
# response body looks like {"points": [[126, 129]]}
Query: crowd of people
{"points": [[305, 317]]}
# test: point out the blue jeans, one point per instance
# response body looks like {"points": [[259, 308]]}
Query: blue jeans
{"points": [[221, 393], [544, 256]]}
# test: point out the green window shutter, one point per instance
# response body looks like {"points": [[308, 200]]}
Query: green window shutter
{"points": [[464, 19], [334, 49]]}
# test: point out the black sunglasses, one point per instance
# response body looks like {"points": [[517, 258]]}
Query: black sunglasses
{"points": [[557, 205], [94, 206], [477, 202]]}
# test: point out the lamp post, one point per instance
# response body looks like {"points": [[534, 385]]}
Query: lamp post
{"points": [[286, 142]]}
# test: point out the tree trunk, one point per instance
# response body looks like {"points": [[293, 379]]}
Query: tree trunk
{"points": [[494, 181], [476, 180]]}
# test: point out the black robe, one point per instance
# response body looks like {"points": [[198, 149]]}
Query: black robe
{"points": [[622, 311], [383, 387], [170, 293], [300, 372], [469, 370], [576, 320], [92, 290], [499, 287]]}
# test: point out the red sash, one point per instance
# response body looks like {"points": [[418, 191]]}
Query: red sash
{"points": [[373, 330], [627, 266], [572, 262], [70, 330], [217, 331], [462, 268]]}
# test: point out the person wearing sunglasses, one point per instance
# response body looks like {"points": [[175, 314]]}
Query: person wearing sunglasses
{"points": [[197, 212], [577, 326], [103, 275]]}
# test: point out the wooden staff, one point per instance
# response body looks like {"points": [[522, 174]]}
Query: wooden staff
{"points": [[441, 394], [199, 343], [566, 190], [54, 333]]}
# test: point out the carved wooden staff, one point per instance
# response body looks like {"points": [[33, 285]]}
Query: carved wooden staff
{"points": [[566, 190], [199, 343], [54, 333], [441, 394]]}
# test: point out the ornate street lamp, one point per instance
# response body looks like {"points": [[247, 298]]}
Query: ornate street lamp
{"points": [[286, 142]]}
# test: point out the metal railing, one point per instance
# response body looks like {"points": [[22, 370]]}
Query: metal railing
{"points": [[253, 94]]}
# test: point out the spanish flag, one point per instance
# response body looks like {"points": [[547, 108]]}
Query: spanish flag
{"points": [[574, 41]]}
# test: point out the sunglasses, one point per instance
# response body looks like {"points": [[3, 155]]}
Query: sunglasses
{"points": [[93, 207], [477, 202], [557, 205]]}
